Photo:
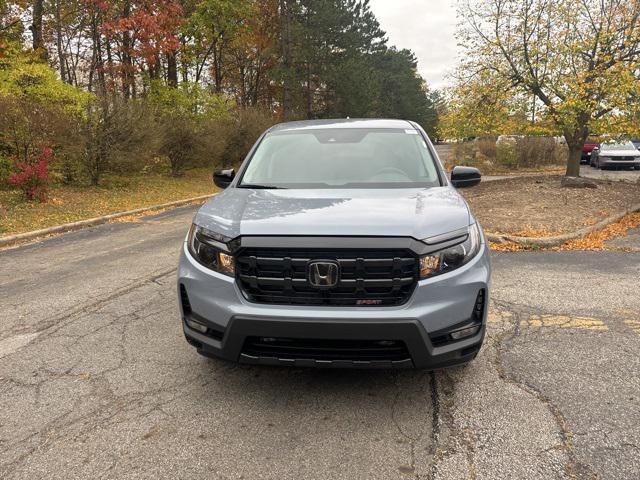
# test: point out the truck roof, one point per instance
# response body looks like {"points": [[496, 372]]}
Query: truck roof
{"points": [[341, 123]]}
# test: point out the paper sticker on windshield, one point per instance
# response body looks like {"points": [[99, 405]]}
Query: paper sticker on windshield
{"points": [[411, 132]]}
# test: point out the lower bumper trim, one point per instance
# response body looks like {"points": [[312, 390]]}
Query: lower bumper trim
{"points": [[302, 362], [422, 354]]}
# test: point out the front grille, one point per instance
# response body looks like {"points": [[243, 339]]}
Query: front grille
{"points": [[367, 277], [622, 159], [326, 350]]}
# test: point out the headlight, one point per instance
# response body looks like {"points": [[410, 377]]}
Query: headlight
{"points": [[452, 257], [206, 247]]}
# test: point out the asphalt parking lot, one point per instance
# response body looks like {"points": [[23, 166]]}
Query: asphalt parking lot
{"points": [[96, 380], [624, 174]]}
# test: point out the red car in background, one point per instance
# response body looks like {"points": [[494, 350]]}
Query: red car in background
{"points": [[587, 149]]}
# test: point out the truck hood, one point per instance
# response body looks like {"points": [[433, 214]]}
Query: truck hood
{"points": [[417, 213]]}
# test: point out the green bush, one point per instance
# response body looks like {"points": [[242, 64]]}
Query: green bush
{"points": [[487, 147], [510, 153], [534, 152], [241, 132], [463, 154], [184, 117], [67, 170], [6, 167], [507, 154]]}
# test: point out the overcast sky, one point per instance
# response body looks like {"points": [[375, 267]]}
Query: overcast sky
{"points": [[425, 26]]}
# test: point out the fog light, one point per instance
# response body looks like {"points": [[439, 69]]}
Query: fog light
{"points": [[196, 326], [465, 332]]}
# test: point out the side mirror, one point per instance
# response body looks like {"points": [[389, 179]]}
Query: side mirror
{"points": [[462, 177], [223, 178]]}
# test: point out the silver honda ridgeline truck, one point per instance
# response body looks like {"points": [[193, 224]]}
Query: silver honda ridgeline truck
{"points": [[338, 243]]}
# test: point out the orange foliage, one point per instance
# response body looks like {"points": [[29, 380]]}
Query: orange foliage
{"points": [[597, 239], [594, 241]]}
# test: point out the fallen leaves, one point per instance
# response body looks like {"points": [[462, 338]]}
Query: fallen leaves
{"points": [[597, 240], [533, 232], [594, 241], [507, 247]]}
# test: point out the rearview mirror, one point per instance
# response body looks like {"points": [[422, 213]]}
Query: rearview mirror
{"points": [[223, 178], [462, 177]]}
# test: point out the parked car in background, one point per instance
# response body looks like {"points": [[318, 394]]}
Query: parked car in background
{"points": [[587, 148], [611, 154]]}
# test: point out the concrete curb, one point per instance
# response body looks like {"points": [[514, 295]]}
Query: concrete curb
{"points": [[68, 227], [560, 239]]}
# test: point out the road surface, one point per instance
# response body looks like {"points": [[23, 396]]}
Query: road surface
{"points": [[96, 380]]}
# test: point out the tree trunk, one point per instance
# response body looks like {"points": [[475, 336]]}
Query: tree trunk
{"points": [[61, 57], [218, 49], [172, 69], [256, 88], [309, 93], [36, 27], [575, 141], [98, 61], [309, 43], [184, 65], [127, 61], [285, 45], [573, 161]]}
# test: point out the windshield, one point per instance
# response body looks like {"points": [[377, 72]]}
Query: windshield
{"points": [[342, 158], [618, 146]]}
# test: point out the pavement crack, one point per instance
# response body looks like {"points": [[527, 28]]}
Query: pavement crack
{"points": [[435, 423], [411, 440], [446, 423], [52, 325], [574, 468]]}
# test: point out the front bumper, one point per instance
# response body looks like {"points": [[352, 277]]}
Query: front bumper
{"points": [[613, 162], [437, 305]]}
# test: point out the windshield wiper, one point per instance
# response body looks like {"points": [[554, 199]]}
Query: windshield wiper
{"points": [[260, 187]]}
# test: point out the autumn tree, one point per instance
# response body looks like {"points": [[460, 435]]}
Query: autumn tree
{"points": [[252, 54], [485, 106], [144, 69], [143, 33], [208, 32], [578, 58]]}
